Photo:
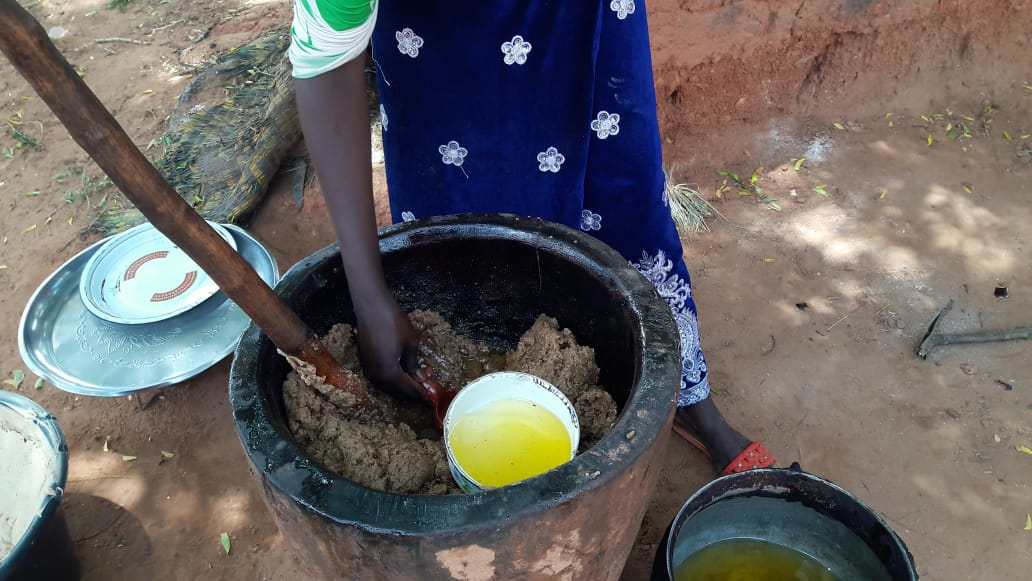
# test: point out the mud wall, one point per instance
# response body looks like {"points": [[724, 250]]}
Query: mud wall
{"points": [[725, 61]]}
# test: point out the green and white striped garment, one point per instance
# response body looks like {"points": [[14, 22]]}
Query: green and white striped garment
{"points": [[328, 33]]}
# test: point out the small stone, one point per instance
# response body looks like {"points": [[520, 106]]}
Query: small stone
{"points": [[996, 438], [630, 435], [594, 475], [968, 368]]}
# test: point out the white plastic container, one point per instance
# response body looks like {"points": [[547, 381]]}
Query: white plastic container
{"points": [[506, 385]]}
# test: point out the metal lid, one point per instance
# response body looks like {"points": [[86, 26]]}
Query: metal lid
{"points": [[140, 276], [70, 347]]}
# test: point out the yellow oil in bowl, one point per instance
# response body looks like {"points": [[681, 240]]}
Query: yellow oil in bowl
{"points": [[750, 560], [509, 440]]}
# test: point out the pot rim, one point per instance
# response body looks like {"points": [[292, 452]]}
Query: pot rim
{"points": [[645, 418]]}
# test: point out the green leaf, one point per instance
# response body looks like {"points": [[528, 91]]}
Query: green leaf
{"points": [[39, 383], [32, 193], [755, 178], [775, 206], [930, 140], [721, 173], [224, 537], [797, 163], [820, 190], [167, 454], [8, 152], [17, 377]]}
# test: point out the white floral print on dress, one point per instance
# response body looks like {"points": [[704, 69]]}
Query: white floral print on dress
{"points": [[452, 153], [622, 8], [408, 217], [676, 292], [550, 160], [515, 50], [409, 42], [606, 124], [590, 221], [383, 117]]}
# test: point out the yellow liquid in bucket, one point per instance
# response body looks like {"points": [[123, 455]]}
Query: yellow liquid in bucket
{"points": [[750, 560], [507, 441]]}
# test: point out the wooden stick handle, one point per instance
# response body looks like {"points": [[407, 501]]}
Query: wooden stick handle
{"points": [[93, 127]]}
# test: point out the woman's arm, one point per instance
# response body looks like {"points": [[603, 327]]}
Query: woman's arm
{"points": [[335, 122]]}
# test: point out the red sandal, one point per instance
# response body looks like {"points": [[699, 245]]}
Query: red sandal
{"points": [[755, 455]]}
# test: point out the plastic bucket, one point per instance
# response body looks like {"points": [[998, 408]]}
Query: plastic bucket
{"points": [[792, 509], [502, 386], [34, 540]]}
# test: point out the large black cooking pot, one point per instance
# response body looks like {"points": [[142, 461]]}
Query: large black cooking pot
{"points": [[490, 276]]}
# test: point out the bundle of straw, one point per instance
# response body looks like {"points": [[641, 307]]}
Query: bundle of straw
{"points": [[221, 158]]}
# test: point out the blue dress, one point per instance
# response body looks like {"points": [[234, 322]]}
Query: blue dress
{"points": [[541, 108]]}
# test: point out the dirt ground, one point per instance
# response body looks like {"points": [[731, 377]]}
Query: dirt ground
{"points": [[813, 295]]}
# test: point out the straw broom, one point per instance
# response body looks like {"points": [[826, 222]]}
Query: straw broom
{"points": [[687, 207]]}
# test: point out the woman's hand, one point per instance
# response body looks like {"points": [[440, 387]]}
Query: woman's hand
{"points": [[388, 346]]}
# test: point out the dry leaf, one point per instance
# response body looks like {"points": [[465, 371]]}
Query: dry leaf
{"points": [[127, 458], [29, 229], [3, 267], [106, 440], [167, 454], [839, 126], [1024, 449], [883, 192], [1007, 136], [968, 188], [931, 140], [17, 377], [1028, 521], [768, 260]]}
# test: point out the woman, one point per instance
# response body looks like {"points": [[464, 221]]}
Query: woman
{"points": [[540, 108]]}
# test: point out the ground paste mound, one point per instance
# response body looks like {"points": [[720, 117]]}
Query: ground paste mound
{"points": [[408, 456]]}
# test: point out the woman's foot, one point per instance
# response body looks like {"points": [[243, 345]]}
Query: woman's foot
{"points": [[722, 442]]}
